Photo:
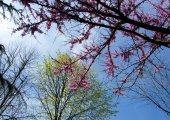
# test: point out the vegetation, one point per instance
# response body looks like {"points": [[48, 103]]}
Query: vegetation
{"points": [[15, 64], [143, 32], [126, 35], [60, 101]]}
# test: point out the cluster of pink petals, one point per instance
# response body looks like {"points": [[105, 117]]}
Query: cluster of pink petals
{"points": [[77, 79], [117, 91], [78, 84]]}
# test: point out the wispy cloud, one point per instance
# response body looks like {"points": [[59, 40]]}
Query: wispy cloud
{"points": [[46, 44]]}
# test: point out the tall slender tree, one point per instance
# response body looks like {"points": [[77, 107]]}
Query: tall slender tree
{"points": [[15, 64]]}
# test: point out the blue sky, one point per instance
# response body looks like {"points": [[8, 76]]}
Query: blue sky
{"points": [[48, 44], [131, 110]]}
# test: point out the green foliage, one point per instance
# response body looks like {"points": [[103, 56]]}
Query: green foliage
{"points": [[59, 103]]}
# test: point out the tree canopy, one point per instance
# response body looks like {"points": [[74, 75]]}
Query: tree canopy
{"points": [[60, 100]]}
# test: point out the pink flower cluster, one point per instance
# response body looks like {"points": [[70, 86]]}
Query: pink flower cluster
{"points": [[77, 78]]}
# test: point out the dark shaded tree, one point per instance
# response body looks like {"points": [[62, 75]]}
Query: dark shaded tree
{"points": [[7, 8], [15, 64]]}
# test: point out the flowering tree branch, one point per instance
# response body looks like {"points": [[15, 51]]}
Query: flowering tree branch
{"points": [[143, 25]]}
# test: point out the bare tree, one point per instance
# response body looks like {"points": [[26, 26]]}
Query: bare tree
{"points": [[15, 63], [154, 87]]}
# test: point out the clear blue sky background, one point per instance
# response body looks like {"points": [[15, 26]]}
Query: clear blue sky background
{"points": [[48, 44], [130, 110]]}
